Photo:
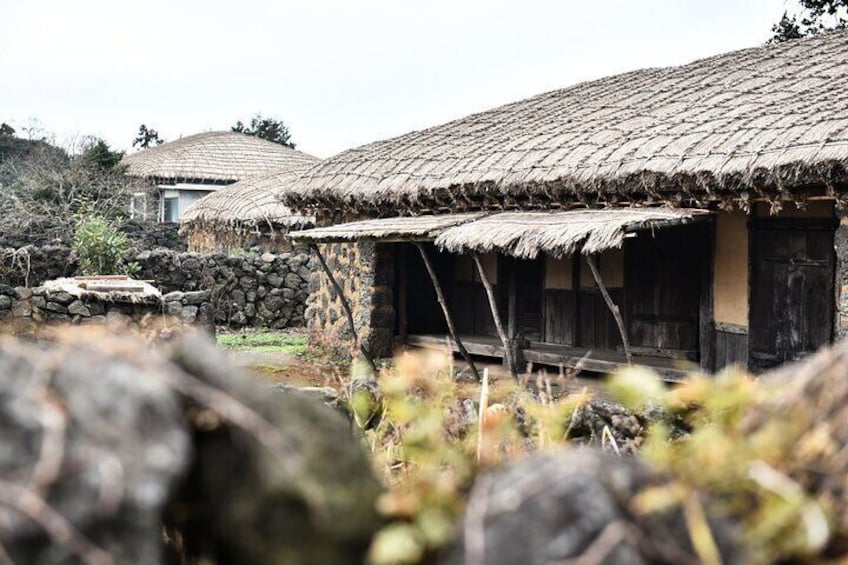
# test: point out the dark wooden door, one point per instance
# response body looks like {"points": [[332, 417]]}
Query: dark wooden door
{"points": [[528, 285], [792, 293], [663, 273]]}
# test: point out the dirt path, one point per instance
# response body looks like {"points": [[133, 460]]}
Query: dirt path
{"points": [[281, 367]]}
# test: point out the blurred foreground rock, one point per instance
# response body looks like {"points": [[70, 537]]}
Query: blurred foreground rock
{"points": [[100, 438], [575, 506], [93, 430], [289, 485]]}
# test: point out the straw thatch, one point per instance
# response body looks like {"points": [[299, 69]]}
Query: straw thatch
{"points": [[768, 121], [527, 234], [217, 157], [421, 228], [247, 204]]}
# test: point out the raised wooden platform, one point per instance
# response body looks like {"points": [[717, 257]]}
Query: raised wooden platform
{"points": [[596, 361]]}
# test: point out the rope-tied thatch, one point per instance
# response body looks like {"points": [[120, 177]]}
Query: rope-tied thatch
{"points": [[528, 234], [247, 205], [420, 228], [214, 157], [769, 122]]}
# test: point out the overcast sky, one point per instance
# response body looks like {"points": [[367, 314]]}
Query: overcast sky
{"points": [[340, 73]]}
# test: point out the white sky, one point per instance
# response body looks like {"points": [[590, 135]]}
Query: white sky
{"points": [[339, 73]]}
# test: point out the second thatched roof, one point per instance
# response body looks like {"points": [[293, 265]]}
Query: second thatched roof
{"points": [[769, 121], [216, 157], [247, 204]]}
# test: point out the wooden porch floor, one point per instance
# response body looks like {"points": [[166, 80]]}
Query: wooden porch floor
{"points": [[596, 361]]}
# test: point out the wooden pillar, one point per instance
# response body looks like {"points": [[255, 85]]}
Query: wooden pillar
{"points": [[616, 313], [575, 297], [403, 293], [706, 311], [493, 305], [345, 306], [514, 329], [440, 296]]}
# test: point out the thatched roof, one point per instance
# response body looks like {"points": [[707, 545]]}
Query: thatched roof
{"points": [[247, 204], [217, 157], [767, 121], [519, 234], [527, 234], [420, 228]]}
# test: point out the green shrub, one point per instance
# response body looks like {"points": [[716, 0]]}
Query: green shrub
{"points": [[100, 246]]}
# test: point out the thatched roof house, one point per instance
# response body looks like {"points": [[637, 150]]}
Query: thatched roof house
{"points": [[766, 122], [681, 217], [244, 214], [188, 168]]}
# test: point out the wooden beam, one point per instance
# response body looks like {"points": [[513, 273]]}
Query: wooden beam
{"points": [[345, 306], [616, 313], [440, 296], [706, 312], [403, 292], [493, 305]]}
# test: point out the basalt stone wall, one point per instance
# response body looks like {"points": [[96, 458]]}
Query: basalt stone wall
{"points": [[153, 235], [24, 310], [141, 235], [365, 272], [31, 266], [264, 290], [267, 290]]}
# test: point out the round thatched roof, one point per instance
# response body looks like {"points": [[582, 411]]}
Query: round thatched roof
{"points": [[248, 203], [216, 156], [765, 120]]}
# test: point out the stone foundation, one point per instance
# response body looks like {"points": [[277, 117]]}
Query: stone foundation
{"points": [[25, 311], [365, 272]]}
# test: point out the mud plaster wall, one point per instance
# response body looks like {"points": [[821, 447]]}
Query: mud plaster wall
{"points": [[466, 269], [730, 284], [558, 273], [610, 266], [841, 244], [365, 272]]}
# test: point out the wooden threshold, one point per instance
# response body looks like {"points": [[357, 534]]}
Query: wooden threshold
{"points": [[596, 361]]}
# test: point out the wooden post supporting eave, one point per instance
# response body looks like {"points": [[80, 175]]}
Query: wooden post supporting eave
{"points": [[616, 313], [345, 306], [493, 304], [448, 318]]}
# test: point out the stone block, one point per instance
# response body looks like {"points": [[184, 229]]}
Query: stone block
{"points": [[196, 297], [21, 308], [60, 297], [55, 307], [188, 313], [23, 293], [77, 308]]}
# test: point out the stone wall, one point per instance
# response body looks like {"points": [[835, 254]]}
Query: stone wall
{"points": [[24, 310], [141, 235], [264, 290], [261, 290], [31, 266], [365, 272]]}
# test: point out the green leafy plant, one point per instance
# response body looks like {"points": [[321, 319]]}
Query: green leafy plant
{"points": [[100, 246]]}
